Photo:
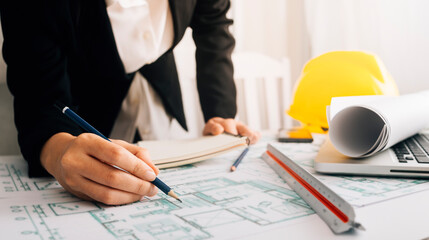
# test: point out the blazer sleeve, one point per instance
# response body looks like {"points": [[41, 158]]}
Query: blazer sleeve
{"points": [[36, 76], [214, 45]]}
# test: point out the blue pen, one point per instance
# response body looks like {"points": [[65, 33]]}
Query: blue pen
{"points": [[85, 125]]}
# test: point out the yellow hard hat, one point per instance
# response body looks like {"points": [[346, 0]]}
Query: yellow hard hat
{"points": [[337, 74]]}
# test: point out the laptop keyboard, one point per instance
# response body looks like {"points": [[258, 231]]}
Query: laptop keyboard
{"points": [[415, 148]]}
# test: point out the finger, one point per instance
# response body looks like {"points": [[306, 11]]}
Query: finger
{"points": [[244, 130], [109, 176], [217, 119], [105, 194], [114, 154], [213, 128], [139, 152], [230, 126]]}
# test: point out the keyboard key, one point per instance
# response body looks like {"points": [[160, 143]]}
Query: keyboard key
{"points": [[415, 149], [423, 143], [422, 159], [400, 149]]}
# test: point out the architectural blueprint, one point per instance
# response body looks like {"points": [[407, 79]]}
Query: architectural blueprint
{"points": [[14, 180], [358, 191], [216, 204]]}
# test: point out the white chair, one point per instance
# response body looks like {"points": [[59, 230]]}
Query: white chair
{"points": [[263, 91]]}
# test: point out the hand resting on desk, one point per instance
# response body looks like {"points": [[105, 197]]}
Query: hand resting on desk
{"points": [[83, 166], [217, 125]]}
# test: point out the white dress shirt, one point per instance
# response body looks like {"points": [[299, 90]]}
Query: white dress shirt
{"points": [[143, 31]]}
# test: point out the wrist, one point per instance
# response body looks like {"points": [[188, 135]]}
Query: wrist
{"points": [[53, 150]]}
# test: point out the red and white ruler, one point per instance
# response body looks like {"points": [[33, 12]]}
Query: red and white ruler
{"points": [[334, 210]]}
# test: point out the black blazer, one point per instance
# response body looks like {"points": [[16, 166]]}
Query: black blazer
{"points": [[64, 50]]}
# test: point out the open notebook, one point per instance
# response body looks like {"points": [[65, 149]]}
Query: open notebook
{"points": [[173, 153]]}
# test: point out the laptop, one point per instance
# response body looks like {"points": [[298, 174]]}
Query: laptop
{"points": [[408, 158]]}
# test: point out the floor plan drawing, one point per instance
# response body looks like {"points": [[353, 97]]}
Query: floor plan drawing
{"points": [[211, 205], [73, 207], [14, 180], [217, 203], [359, 191], [48, 184]]}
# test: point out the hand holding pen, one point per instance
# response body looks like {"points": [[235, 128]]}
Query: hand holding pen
{"points": [[87, 166]]}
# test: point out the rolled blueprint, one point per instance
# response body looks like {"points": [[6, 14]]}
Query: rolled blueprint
{"points": [[361, 126]]}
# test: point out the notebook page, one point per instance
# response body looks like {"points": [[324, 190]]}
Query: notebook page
{"points": [[174, 150]]}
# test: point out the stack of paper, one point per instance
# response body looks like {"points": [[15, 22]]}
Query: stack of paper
{"points": [[361, 126], [173, 153]]}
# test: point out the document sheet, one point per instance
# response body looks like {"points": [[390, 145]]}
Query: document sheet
{"points": [[361, 126], [217, 203]]}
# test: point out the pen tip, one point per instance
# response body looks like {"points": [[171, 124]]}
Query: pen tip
{"points": [[173, 195], [233, 168]]}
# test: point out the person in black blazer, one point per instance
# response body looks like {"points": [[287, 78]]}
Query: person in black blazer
{"points": [[64, 50]]}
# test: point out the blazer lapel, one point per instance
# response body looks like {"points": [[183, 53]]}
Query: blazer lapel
{"points": [[107, 73], [97, 39], [101, 82], [181, 11]]}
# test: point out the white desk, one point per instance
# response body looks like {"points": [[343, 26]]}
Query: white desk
{"points": [[404, 217]]}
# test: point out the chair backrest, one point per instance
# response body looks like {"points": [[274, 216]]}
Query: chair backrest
{"points": [[263, 90]]}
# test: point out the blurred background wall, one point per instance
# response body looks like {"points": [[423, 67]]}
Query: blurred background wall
{"points": [[395, 30], [2, 64]]}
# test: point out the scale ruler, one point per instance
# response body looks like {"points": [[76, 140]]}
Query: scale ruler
{"points": [[334, 210]]}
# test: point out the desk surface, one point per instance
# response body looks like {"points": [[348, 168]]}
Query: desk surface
{"points": [[404, 217], [251, 203]]}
